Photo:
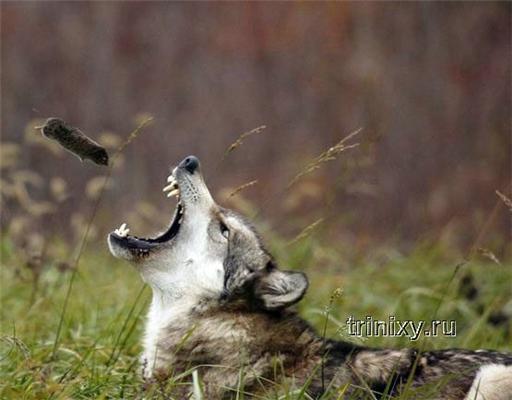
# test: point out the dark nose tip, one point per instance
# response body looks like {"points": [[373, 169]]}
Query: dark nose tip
{"points": [[191, 164]]}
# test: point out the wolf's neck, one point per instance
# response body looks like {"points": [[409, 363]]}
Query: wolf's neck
{"points": [[164, 311]]}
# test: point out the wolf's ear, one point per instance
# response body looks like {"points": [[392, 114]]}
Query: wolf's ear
{"points": [[279, 289]]}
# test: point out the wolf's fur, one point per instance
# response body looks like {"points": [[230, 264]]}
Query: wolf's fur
{"points": [[221, 305], [493, 382]]}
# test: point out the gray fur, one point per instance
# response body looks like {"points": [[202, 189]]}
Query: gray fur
{"points": [[238, 318]]}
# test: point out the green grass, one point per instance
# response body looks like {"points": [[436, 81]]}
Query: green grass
{"points": [[98, 348]]}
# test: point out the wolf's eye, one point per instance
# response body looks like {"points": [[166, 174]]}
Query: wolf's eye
{"points": [[224, 230]]}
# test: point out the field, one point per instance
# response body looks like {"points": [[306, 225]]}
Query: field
{"points": [[368, 142], [72, 315], [91, 349]]}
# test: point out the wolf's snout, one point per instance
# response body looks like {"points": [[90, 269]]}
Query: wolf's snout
{"points": [[190, 163], [193, 203]]}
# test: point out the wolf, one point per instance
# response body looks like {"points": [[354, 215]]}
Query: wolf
{"points": [[222, 306]]}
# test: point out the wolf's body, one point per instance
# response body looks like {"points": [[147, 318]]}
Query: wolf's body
{"points": [[220, 304]]}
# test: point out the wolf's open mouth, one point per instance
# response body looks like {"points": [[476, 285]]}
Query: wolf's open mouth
{"points": [[137, 243]]}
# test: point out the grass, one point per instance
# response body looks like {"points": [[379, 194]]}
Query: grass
{"points": [[73, 330], [99, 344]]}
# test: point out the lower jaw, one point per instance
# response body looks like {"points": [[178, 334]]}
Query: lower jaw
{"points": [[132, 243], [135, 249], [122, 248]]}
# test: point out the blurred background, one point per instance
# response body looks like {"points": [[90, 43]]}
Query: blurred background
{"points": [[407, 223], [428, 83]]}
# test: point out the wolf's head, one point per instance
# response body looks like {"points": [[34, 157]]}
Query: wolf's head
{"points": [[208, 252]]}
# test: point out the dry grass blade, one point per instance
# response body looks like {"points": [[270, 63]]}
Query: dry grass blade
{"points": [[134, 134], [306, 231], [15, 342], [241, 138], [197, 387], [505, 200], [488, 254], [242, 187], [326, 156]]}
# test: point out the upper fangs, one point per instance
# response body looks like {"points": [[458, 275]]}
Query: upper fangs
{"points": [[175, 192], [172, 187]]}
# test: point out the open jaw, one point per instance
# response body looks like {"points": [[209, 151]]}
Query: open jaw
{"points": [[141, 246]]}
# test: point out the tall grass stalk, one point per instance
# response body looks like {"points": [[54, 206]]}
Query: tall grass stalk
{"points": [[197, 387], [505, 200], [85, 236], [114, 355], [469, 257], [335, 295], [306, 232], [242, 187], [238, 142], [328, 155]]}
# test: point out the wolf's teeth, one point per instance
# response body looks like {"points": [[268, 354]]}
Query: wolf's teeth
{"points": [[122, 230], [173, 192], [171, 179], [171, 186]]}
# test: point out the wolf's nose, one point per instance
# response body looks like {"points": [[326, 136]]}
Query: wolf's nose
{"points": [[191, 164]]}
